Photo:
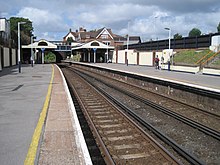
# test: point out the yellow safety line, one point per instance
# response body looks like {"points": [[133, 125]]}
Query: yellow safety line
{"points": [[31, 155]]}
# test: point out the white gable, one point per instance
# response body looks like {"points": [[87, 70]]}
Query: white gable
{"points": [[104, 32], [93, 44], [70, 35], [41, 44]]}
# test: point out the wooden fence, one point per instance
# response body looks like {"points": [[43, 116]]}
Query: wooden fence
{"points": [[184, 43]]}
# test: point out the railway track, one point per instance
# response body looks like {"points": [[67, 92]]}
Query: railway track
{"points": [[134, 93], [94, 150], [138, 94], [199, 118], [121, 140]]}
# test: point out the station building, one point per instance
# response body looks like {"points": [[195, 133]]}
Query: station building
{"points": [[97, 45]]}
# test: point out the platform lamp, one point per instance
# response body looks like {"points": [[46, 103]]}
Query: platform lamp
{"points": [[19, 47], [127, 43], [128, 36], [169, 29], [169, 34], [32, 58]]}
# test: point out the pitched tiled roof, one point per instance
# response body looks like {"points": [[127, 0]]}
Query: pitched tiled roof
{"points": [[93, 34], [73, 33]]}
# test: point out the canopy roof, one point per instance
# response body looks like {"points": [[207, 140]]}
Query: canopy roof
{"points": [[92, 44], [41, 44]]}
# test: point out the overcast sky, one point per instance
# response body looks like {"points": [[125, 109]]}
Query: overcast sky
{"points": [[52, 19]]}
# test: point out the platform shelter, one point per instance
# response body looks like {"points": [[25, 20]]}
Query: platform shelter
{"points": [[39, 47], [94, 51]]}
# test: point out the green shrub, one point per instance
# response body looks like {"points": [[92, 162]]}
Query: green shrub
{"points": [[76, 57], [49, 57]]}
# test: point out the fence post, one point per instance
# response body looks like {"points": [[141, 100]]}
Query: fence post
{"points": [[196, 42]]}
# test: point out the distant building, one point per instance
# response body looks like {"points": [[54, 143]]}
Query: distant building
{"points": [[5, 35], [103, 35]]}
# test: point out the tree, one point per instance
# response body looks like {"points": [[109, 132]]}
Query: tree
{"points": [[194, 32], [70, 39], [25, 29], [218, 28], [177, 36], [50, 57]]}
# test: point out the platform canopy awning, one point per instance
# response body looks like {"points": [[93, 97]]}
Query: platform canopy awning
{"points": [[92, 45], [41, 44]]}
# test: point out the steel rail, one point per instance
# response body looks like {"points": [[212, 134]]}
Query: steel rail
{"points": [[190, 157], [211, 132], [135, 86], [81, 103], [107, 156], [208, 131]]}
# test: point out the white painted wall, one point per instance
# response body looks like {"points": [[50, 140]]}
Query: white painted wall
{"points": [[211, 71], [146, 58], [114, 57], [6, 57], [166, 54], [13, 56], [132, 57], [185, 68], [121, 56], [215, 45]]}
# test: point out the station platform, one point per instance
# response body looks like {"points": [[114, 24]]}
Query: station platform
{"points": [[39, 94], [208, 82], [29, 99]]}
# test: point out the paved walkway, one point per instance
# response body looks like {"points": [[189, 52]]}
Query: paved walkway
{"points": [[198, 80], [63, 142], [22, 96], [24, 101]]}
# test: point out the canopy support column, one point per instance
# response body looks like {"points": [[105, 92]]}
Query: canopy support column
{"points": [[94, 49], [89, 55]]}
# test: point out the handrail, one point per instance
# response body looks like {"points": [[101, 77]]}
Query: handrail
{"points": [[203, 57], [210, 58]]}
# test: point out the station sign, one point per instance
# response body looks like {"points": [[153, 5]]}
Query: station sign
{"points": [[42, 49]]}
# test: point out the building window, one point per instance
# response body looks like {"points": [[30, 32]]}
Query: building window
{"points": [[95, 44], [107, 42], [104, 36], [42, 43]]}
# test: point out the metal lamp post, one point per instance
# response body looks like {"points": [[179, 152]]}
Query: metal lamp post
{"points": [[127, 43], [128, 36], [19, 46], [169, 47], [169, 35], [169, 29], [32, 58]]}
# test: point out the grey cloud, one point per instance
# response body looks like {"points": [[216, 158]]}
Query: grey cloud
{"points": [[180, 15], [181, 6]]}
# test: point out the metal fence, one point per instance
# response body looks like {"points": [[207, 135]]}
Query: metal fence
{"points": [[183, 43]]}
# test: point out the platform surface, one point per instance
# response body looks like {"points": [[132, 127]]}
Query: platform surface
{"points": [[198, 80], [22, 101], [22, 97], [62, 142]]}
